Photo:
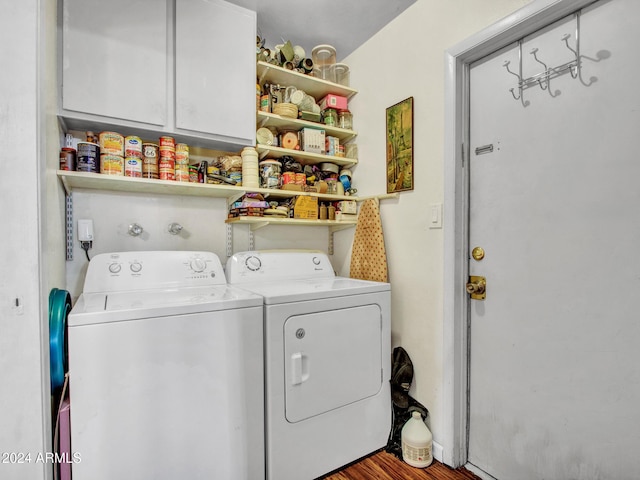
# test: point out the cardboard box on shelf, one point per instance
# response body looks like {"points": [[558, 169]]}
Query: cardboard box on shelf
{"points": [[312, 140], [333, 101], [306, 208], [348, 206]]}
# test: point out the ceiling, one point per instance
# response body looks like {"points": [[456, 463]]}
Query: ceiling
{"points": [[345, 24]]}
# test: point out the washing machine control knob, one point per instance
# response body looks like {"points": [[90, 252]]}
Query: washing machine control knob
{"points": [[198, 265], [316, 261], [253, 263], [135, 267], [115, 268]]}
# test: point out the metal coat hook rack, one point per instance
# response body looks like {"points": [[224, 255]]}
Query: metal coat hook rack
{"points": [[543, 79]]}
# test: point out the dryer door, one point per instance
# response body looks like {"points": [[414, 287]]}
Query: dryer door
{"points": [[332, 358]]}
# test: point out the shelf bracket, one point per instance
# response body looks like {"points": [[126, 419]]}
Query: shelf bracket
{"points": [[252, 244], [258, 226], [234, 198], [262, 77], [68, 210]]}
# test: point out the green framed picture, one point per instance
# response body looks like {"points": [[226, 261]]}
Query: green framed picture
{"points": [[400, 146]]}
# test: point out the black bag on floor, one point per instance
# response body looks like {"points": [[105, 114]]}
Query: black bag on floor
{"points": [[403, 404]]}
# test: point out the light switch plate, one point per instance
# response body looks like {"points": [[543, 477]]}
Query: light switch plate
{"points": [[435, 215]]}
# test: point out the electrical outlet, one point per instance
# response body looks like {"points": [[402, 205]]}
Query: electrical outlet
{"points": [[85, 230]]}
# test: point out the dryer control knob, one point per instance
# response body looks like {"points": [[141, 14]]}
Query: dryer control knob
{"points": [[135, 267], [253, 263], [198, 265], [316, 261]]}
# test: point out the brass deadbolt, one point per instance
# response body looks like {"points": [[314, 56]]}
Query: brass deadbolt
{"points": [[477, 287], [477, 253]]}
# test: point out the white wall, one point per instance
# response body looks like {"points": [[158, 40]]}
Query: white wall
{"points": [[406, 59], [26, 125], [203, 224]]}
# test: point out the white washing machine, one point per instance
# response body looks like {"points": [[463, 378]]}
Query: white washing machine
{"points": [[165, 371], [327, 361]]}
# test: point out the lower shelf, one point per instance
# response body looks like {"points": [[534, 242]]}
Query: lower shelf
{"points": [[259, 222]]}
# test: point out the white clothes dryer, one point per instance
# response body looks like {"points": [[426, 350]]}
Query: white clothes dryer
{"points": [[327, 361], [165, 371]]}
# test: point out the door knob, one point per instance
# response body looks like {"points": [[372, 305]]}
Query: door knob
{"points": [[477, 287]]}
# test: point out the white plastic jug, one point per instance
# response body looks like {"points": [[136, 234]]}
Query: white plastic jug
{"points": [[416, 442]]}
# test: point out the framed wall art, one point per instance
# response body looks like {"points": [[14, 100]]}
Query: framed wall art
{"points": [[400, 146]]}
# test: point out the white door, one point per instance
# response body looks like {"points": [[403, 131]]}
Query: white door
{"points": [[554, 358]]}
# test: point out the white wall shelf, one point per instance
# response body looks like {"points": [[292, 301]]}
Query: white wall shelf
{"points": [[316, 87], [260, 222], [116, 183], [267, 119], [305, 158]]}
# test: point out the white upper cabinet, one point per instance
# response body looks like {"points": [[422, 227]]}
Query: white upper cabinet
{"points": [[114, 59], [185, 68], [215, 90]]}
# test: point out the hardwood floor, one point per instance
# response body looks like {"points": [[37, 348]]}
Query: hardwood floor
{"points": [[384, 466]]}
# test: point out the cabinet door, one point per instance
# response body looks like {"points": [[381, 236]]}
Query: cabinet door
{"points": [[114, 59], [216, 68]]}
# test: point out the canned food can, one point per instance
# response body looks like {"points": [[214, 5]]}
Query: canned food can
{"points": [[68, 159], [150, 160], [87, 157], [166, 169], [166, 141], [182, 173], [182, 154], [167, 152], [288, 177], [111, 164], [193, 173], [132, 147], [133, 167], [301, 179], [111, 143]]}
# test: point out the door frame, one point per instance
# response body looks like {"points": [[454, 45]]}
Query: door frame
{"points": [[527, 20]]}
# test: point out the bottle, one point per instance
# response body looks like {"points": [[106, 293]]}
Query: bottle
{"points": [[331, 210], [323, 211], [416, 442]]}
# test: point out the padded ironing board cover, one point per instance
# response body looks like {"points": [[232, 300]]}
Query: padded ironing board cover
{"points": [[368, 255]]}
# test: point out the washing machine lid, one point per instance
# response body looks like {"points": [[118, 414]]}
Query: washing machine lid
{"points": [[105, 307], [314, 289]]}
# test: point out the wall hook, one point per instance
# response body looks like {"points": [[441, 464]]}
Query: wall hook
{"points": [[506, 65], [573, 69], [544, 84], [512, 90]]}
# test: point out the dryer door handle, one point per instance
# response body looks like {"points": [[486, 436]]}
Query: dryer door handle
{"points": [[299, 368]]}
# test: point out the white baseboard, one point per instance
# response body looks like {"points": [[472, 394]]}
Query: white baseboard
{"points": [[436, 450]]}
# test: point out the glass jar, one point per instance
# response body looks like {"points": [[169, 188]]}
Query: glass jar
{"points": [[330, 117], [345, 119]]}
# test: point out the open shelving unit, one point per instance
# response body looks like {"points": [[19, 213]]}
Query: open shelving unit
{"points": [[116, 183]]}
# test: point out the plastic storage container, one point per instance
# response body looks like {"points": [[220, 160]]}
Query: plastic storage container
{"points": [[416, 442], [250, 169], [324, 60]]}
